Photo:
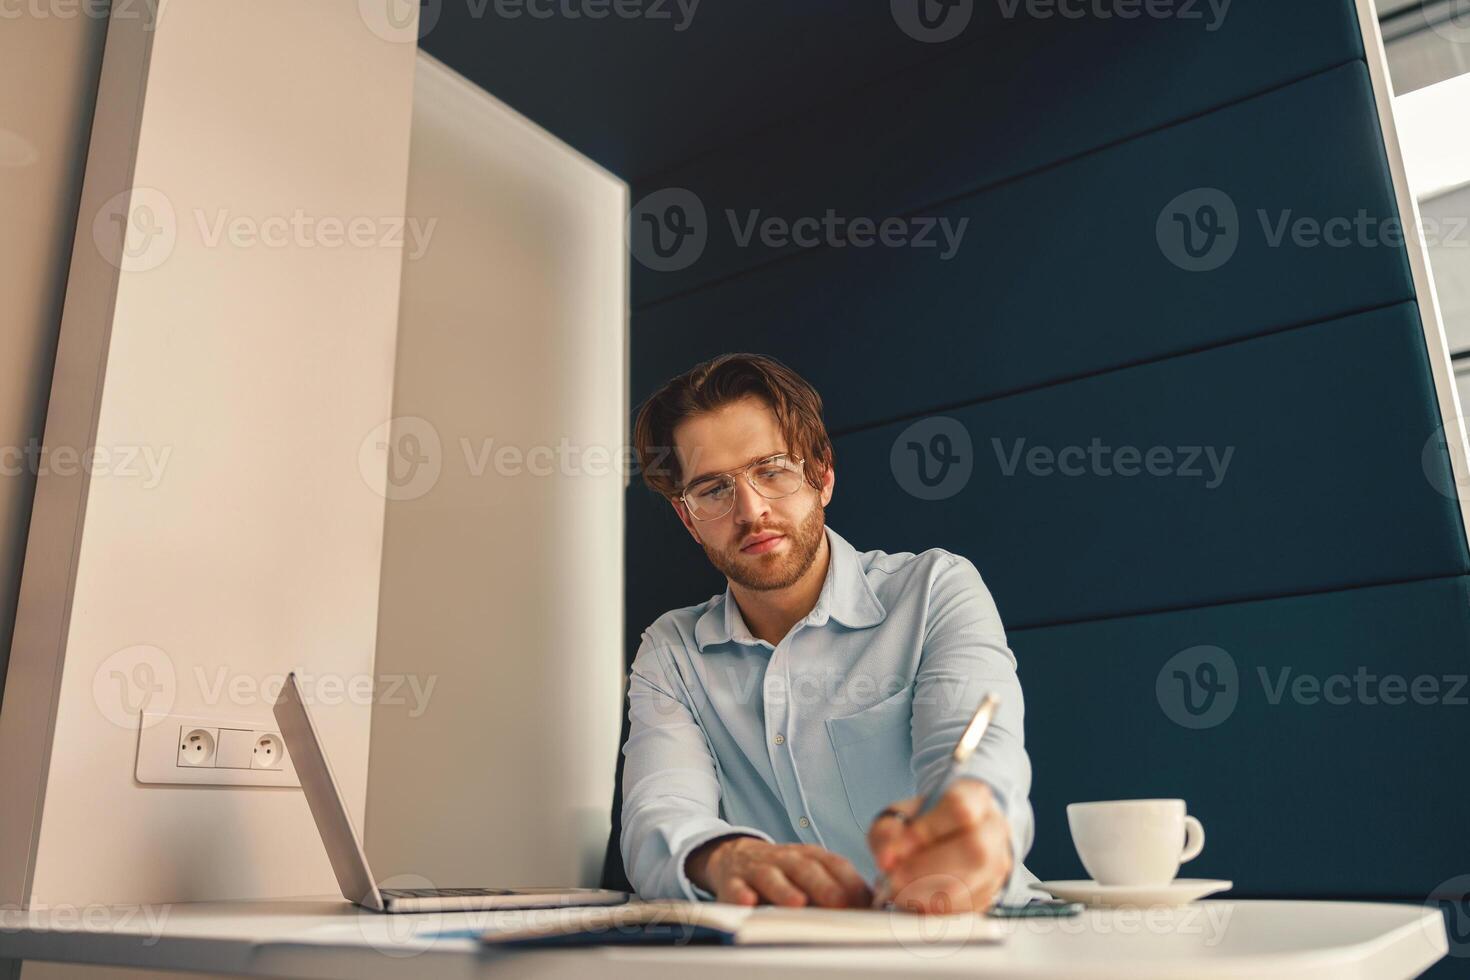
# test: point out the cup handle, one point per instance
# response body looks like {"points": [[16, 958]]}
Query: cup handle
{"points": [[1194, 839]]}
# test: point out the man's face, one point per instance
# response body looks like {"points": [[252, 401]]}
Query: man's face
{"points": [[724, 441]]}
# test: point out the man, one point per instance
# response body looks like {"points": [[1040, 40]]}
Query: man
{"points": [[783, 733]]}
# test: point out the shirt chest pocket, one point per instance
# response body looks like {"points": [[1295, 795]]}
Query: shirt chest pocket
{"points": [[874, 752]]}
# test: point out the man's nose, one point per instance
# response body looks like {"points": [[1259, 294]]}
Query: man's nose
{"points": [[750, 506]]}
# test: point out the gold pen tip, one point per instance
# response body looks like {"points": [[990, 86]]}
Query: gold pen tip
{"points": [[975, 730]]}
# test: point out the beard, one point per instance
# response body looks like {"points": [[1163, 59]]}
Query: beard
{"points": [[763, 573]]}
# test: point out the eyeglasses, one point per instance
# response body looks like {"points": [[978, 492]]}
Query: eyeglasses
{"points": [[773, 477]]}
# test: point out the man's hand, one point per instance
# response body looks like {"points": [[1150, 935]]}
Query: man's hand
{"points": [[955, 858], [748, 871]]}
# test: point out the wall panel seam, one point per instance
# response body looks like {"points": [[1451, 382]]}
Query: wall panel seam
{"points": [[838, 433], [1243, 600]]}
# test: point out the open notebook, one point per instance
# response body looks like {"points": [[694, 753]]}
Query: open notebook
{"points": [[675, 923]]}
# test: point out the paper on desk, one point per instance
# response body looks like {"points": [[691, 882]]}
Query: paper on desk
{"points": [[382, 931], [681, 922], [408, 929]]}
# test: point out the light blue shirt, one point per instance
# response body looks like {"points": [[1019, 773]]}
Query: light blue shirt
{"points": [[859, 705]]}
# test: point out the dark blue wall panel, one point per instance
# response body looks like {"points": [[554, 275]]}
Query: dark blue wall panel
{"points": [[1025, 94], [1061, 274], [1295, 508], [1298, 508], [1298, 795]]}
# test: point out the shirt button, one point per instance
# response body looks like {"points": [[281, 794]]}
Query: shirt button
{"points": [[804, 822], [780, 739]]}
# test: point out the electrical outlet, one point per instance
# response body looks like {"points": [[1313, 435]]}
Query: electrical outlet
{"points": [[268, 753], [197, 746], [195, 750]]}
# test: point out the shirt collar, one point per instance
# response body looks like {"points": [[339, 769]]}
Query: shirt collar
{"points": [[845, 597]]}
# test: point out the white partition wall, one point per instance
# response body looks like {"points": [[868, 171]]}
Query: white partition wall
{"points": [[43, 139], [501, 607], [210, 520]]}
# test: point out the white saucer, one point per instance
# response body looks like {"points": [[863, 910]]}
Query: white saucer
{"points": [[1180, 891]]}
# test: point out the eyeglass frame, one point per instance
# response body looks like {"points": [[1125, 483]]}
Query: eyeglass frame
{"points": [[745, 470]]}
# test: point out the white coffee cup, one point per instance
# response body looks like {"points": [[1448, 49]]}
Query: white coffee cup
{"points": [[1134, 842]]}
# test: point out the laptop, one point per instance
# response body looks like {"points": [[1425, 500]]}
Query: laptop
{"points": [[344, 847]]}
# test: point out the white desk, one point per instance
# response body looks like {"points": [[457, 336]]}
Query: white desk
{"points": [[315, 937]]}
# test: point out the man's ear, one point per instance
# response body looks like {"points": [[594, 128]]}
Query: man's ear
{"points": [[829, 480], [685, 519]]}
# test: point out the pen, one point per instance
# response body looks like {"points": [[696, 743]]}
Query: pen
{"points": [[963, 749]]}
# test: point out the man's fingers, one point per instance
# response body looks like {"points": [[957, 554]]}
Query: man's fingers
{"points": [[847, 876], [944, 894], [777, 889], [982, 856], [888, 831], [812, 877], [736, 892], [964, 805]]}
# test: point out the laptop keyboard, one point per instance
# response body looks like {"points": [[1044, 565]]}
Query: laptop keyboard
{"points": [[441, 892]]}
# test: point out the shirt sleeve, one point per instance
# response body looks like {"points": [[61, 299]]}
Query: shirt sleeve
{"points": [[671, 792], [965, 657]]}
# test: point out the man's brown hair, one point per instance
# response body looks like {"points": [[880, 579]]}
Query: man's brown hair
{"points": [[715, 383]]}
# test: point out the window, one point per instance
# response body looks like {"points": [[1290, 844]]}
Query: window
{"points": [[1428, 47]]}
